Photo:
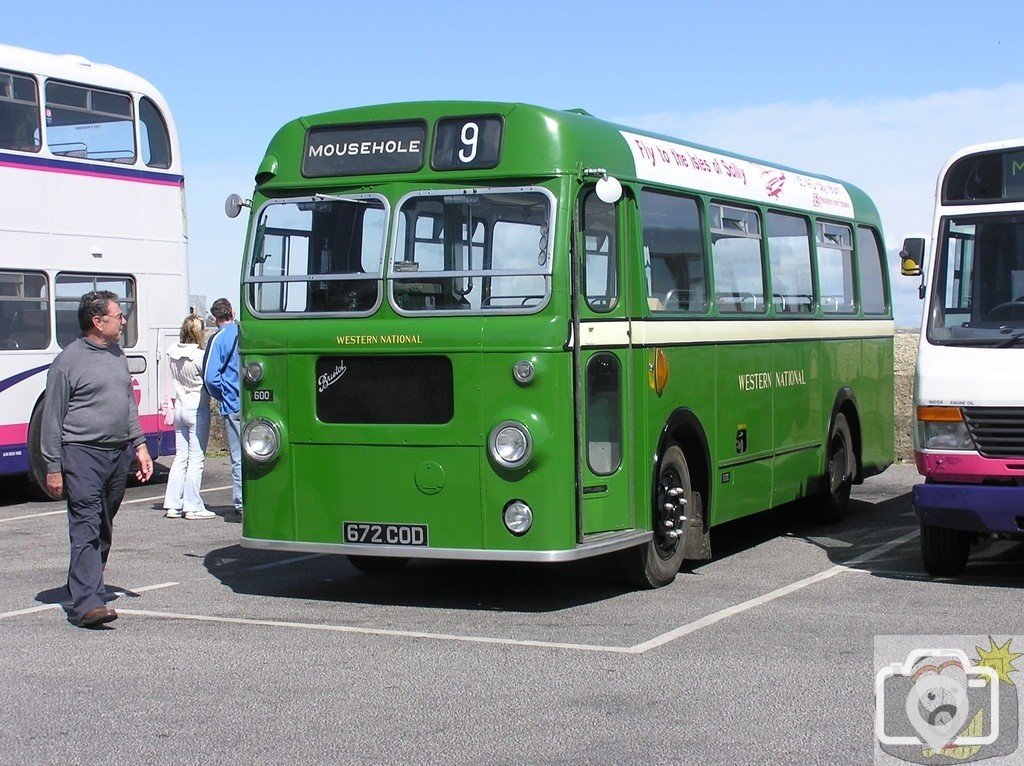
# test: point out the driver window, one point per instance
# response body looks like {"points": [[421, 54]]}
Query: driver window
{"points": [[673, 253], [600, 254]]}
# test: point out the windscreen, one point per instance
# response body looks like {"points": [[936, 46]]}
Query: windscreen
{"points": [[485, 251], [317, 256], [978, 295]]}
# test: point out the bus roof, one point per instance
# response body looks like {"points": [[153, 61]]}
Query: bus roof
{"points": [[73, 68], [542, 142]]}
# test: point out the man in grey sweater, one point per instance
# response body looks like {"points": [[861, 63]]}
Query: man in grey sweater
{"points": [[90, 432]]}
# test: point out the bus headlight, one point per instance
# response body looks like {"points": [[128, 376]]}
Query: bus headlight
{"points": [[943, 428], [510, 444], [945, 436], [260, 440], [518, 517], [253, 373]]}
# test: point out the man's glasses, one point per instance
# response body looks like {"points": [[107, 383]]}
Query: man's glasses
{"points": [[115, 317]]}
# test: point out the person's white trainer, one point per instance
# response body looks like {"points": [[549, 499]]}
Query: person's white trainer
{"points": [[203, 514], [173, 513]]}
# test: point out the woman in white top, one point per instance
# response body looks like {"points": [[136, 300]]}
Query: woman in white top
{"points": [[191, 428]]}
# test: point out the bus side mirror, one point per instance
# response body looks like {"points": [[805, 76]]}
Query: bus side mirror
{"points": [[233, 205], [912, 256]]}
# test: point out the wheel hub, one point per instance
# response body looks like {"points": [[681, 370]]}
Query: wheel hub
{"points": [[670, 513]]}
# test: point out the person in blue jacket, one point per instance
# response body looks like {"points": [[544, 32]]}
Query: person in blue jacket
{"points": [[220, 375]]}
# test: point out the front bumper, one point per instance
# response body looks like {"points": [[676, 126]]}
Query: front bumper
{"points": [[971, 507], [593, 545]]}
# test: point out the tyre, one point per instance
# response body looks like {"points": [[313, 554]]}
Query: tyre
{"points": [[656, 564], [944, 551], [377, 565], [36, 464], [839, 467]]}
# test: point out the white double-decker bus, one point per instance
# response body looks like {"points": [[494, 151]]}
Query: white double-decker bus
{"points": [[93, 198], [968, 391]]}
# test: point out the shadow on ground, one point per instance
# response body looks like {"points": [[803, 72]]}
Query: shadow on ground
{"points": [[503, 587], [531, 588]]}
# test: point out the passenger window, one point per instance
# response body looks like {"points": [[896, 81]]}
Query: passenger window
{"points": [[19, 113], [24, 310], [156, 141], [872, 276], [736, 258], [835, 268], [600, 254], [604, 414], [673, 253], [89, 124], [68, 292], [789, 254]]}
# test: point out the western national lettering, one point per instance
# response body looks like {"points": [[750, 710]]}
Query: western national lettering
{"points": [[754, 381]]}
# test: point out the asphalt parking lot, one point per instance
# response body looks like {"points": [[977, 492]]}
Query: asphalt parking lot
{"points": [[228, 655]]}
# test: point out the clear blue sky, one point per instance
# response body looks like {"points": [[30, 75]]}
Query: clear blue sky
{"points": [[876, 93]]}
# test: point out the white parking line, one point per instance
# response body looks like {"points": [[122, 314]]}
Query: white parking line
{"points": [[641, 648], [711, 619], [44, 607], [377, 631], [126, 502]]}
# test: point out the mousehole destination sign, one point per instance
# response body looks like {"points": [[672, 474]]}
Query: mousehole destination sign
{"points": [[352, 150]]}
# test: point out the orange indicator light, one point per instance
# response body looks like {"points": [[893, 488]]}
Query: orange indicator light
{"points": [[939, 414]]}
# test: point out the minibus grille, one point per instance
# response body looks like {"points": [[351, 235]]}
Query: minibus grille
{"points": [[997, 431], [403, 390]]}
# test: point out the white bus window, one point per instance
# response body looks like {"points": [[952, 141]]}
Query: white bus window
{"points": [[736, 259], [24, 311], [68, 292], [89, 124], [19, 113], [156, 142], [600, 254], [835, 268], [872, 278], [789, 254], [673, 253]]}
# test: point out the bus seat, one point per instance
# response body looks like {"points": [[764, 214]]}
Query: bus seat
{"points": [[30, 328]]}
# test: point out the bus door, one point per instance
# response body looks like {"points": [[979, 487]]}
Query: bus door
{"points": [[159, 383], [604, 361]]}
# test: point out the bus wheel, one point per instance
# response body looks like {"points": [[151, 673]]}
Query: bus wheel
{"points": [[657, 563], [944, 551], [838, 472], [36, 463], [377, 565]]}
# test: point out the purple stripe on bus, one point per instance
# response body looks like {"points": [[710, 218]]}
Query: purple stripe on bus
{"points": [[8, 382], [81, 168]]}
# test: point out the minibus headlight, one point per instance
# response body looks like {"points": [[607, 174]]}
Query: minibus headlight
{"points": [[943, 428], [253, 373], [510, 444], [260, 440], [945, 436], [518, 517]]}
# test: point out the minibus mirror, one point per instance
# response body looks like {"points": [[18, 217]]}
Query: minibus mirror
{"points": [[609, 189], [233, 205], [912, 256]]}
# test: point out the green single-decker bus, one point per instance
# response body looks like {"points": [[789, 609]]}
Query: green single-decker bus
{"points": [[494, 331]]}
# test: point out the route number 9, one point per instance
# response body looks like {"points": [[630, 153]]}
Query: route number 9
{"points": [[470, 138], [467, 143]]}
